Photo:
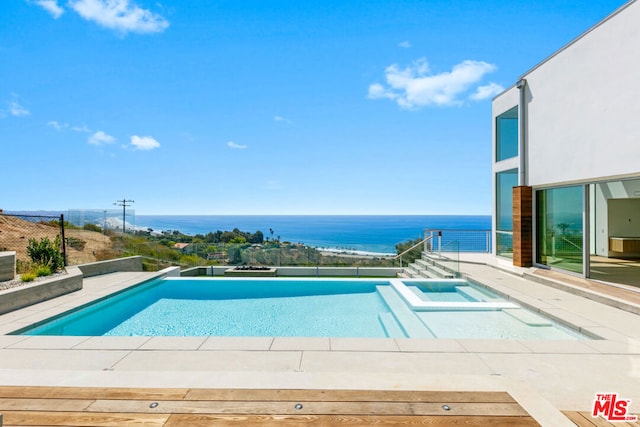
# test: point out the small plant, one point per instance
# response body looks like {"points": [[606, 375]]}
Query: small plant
{"points": [[23, 266], [28, 277], [43, 270], [46, 252], [76, 244]]}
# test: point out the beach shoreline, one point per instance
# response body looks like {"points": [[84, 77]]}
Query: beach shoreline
{"points": [[347, 253]]}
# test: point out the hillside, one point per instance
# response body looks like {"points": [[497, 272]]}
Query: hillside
{"points": [[82, 247]]}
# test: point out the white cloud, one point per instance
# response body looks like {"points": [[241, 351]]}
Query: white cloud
{"points": [[235, 146], [62, 126], [17, 110], [377, 91], [282, 119], [486, 91], [101, 138], [405, 44], [144, 142], [416, 86], [82, 128], [57, 126], [120, 15], [51, 6]]}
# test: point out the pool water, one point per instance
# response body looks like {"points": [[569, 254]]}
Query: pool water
{"points": [[299, 308], [449, 291]]}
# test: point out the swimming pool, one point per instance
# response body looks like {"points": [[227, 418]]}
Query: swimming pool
{"points": [[304, 308]]}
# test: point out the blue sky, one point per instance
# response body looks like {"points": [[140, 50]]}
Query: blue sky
{"points": [[264, 107]]}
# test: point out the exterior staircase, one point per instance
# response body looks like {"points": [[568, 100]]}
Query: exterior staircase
{"points": [[427, 268]]}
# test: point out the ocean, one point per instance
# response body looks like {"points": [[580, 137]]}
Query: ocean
{"points": [[362, 233]]}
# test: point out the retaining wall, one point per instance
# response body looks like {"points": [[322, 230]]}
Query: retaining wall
{"points": [[23, 296], [133, 263], [7, 265]]}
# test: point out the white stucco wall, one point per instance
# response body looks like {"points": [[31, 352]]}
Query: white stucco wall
{"points": [[583, 108]]}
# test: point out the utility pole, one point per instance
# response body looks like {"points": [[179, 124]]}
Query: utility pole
{"points": [[124, 203]]}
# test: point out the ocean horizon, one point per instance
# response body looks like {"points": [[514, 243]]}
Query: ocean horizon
{"points": [[359, 233]]}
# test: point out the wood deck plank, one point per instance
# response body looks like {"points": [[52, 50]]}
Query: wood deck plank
{"points": [[40, 404], [91, 392], [283, 408], [578, 419], [51, 418], [349, 395], [361, 420], [629, 295], [64, 406], [584, 419]]}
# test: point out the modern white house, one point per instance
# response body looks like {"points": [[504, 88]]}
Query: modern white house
{"points": [[566, 156]]}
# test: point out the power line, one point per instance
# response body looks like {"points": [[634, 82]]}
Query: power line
{"points": [[124, 203]]}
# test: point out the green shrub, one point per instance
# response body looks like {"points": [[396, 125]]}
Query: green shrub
{"points": [[43, 270], [46, 252], [191, 260], [413, 254], [92, 227], [28, 277]]}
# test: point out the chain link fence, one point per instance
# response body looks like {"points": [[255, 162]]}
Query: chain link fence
{"points": [[16, 230]]}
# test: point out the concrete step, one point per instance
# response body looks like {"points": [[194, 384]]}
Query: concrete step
{"points": [[405, 316], [434, 266], [414, 272], [424, 263], [420, 273], [391, 326], [435, 272], [426, 259]]}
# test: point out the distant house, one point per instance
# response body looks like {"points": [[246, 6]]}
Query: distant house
{"points": [[566, 153], [181, 246]]}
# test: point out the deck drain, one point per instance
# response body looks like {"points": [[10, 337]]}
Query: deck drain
{"points": [[153, 405], [298, 406], [446, 407]]}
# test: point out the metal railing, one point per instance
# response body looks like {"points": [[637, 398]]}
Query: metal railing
{"points": [[467, 240], [421, 242]]}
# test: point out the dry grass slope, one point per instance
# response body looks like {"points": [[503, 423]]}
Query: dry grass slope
{"points": [[15, 234]]}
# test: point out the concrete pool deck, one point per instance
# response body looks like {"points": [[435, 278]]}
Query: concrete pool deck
{"points": [[544, 376]]}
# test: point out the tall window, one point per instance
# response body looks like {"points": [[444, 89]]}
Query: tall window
{"points": [[505, 181], [560, 228], [507, 135]]}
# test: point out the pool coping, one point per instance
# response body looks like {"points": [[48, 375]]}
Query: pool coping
{"points": [[316, 362]]}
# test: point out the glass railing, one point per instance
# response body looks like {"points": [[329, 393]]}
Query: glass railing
{"points": [[504, 244], [448, 243], [451, 257]]}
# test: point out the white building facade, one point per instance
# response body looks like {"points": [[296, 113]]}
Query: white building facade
{"points": [[567, 137]]}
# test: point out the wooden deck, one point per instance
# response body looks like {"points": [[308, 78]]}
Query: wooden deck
{"points": [[584, 419], [630, 294], [73, 406]]}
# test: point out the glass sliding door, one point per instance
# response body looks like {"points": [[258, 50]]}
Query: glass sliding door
{"points": [[560, 228], [505, 181]]}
